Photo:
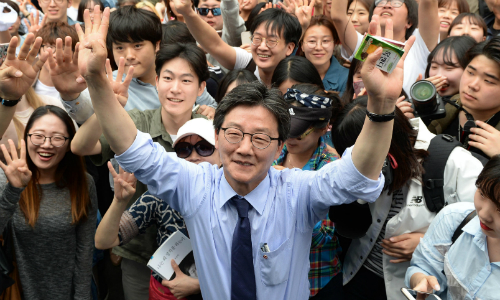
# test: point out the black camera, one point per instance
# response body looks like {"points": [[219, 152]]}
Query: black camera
{"points": [[426, 102]]}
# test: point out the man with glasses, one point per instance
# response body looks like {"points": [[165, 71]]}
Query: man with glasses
{"points": [[56, 10], [275, 34], [250, 225], [405, 16]]}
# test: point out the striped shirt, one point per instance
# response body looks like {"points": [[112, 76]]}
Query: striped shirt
{"points": [[374, 260]]}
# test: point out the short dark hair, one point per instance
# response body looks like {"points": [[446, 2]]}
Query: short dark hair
{"points": [[191, 53], [279, 22], [253, 14], [176, 32], [129, 24], [83, 6], [453, 44], [240, 76], [490, 49], [412, 8], [297, 68], [347, 128], [472, 18], [463, 5], [322, 20], [251, 95], [488, 181], [50, 32]]}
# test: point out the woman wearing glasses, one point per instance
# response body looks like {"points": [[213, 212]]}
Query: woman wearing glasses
{"points": [[195, 143], [49, 204], [318, 44]]}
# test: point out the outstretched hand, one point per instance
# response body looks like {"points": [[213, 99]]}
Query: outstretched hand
{"points": [[183, 6], [34, 23], [182, 285], [93, 53], [64, 70], [384, 88], [303, 12], [17, 74], [120, 88], [124, 184], [16, 170]]}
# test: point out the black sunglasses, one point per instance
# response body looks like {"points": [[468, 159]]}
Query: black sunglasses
{"points": [[203, 148], [204, 11]]}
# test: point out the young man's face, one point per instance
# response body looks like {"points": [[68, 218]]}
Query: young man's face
{"points": [[265, 57], [55, 9], [141, 55], [245, 166], [214, 21], [399, 15], [178, 86], [480, 85]]}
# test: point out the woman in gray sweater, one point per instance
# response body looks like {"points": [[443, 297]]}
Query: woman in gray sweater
{"points": [[52, 205]]}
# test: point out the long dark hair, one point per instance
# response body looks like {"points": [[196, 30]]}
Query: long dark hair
{"points": [[240, 76], [349, 89], [347, 128], [488, 181], [453, 44], [70, 174], [297, 68]]}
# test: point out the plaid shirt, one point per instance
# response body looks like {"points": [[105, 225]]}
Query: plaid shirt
{"points": [[325, 263]]}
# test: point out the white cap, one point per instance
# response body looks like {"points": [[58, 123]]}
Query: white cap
{"points": [[202, 127]]}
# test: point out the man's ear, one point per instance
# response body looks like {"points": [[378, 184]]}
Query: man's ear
{"points": [[216, 140], [408, 25], [156, 80], [157, 48], [278, 151], [201, 89], [69, 3], [289, 48]]}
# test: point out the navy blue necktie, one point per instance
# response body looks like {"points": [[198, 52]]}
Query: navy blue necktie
{"points": [[243, 285]]}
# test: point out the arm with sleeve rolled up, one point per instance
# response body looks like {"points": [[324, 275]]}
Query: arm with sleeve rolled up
{"points": [[79, 109], [234, 25], [85, 232]]}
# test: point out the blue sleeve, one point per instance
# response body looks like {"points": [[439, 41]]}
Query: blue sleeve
{"points": [[183, 185]]}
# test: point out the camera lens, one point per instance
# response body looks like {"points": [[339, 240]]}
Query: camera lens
{"points": [[423, 95]]}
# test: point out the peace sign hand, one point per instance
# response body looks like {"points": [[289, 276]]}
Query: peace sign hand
{"points": [[34, 23], [303, 11], [16, 170], [124, 184], [120, 88], [17, 74]]}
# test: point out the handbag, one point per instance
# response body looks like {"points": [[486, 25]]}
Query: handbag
{"points": [[9, 276]]}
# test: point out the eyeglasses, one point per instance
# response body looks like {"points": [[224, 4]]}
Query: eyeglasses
{"points": [[203, 148], [394, 3], [259, 140], [56, 141], [270, 42], [324, 44], [48, 1], [306, 133], [204, 11]]}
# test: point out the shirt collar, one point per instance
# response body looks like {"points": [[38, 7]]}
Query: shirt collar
{"points": [[257, 197], [332, 74], [473, 228], [157, 129]]}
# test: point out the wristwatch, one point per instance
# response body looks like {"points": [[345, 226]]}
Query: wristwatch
{"points": [[9, 103]]}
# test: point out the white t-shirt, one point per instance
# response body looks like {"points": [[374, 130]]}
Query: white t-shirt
{"points": [[72, 13], [45, 90], [415, 63], [242, 60]]}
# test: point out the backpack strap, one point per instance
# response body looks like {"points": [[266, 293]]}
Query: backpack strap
{"points": [[251, 66], [460, 227], [439, 149]]}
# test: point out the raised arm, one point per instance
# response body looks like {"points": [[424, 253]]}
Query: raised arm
{"points": [[233, 23], [345, 29], [116, 124], [206, 36], [428, 22], [383, 89]]}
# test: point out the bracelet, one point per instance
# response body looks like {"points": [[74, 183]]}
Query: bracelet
{"points": [[380, 118], [9, 103]]}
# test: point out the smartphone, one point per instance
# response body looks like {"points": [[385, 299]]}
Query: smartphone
{"points": [[412, 294], [3, 52], [246, 38]]}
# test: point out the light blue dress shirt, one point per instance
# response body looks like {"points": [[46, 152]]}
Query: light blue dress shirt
{"points": [[286, 206], [469, 272]]}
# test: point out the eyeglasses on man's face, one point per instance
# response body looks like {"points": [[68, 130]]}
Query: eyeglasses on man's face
{"points": [[48, 1], [204, 11], [394, 3], [259, 140], [39, 139], [270, 42]]}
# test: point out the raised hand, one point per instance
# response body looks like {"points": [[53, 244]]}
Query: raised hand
{"points": [[303, 11], [92, 51], [382, 87], [120, 88], [288, 6], [17, 74], [182, 285], [183, 6], [34, 23], [16, 170], [124, 183], [64, 70]]}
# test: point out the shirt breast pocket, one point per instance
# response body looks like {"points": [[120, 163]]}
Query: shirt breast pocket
{"points": [[275, 265]]}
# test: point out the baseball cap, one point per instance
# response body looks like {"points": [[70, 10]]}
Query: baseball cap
{"points": [[202, 127]]}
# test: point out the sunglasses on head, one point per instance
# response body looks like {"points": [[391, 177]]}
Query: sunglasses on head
{"points": [[204, 11], [203, 148]]}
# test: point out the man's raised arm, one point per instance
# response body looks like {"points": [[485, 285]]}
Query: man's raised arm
{"points": [[116, 124]]}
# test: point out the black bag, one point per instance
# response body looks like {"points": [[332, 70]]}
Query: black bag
{"points": [[6, 259]]}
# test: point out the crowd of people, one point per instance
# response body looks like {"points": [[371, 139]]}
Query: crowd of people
{"points": [[296, 170]]}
